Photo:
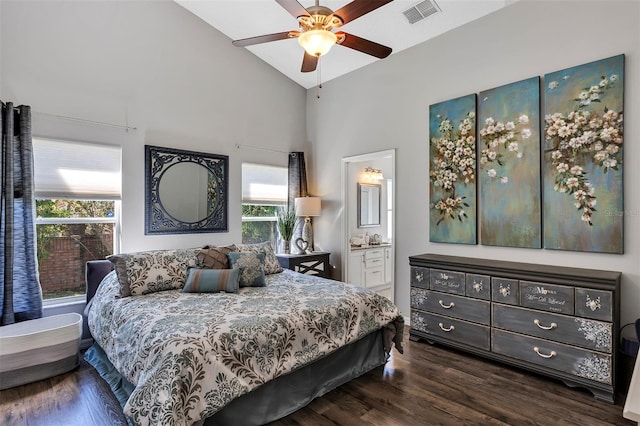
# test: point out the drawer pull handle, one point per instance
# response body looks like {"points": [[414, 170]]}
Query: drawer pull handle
{"points": [[419, 276], [505, 291], [477, 287], [551, 355], [449, 306], [593, 304], [451, 328], [544, 327]]}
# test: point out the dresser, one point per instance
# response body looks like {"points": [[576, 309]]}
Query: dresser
{"points": [[372, 267], [557, 321]]}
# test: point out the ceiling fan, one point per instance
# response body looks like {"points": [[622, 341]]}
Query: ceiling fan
{"points": [[316, 33]]}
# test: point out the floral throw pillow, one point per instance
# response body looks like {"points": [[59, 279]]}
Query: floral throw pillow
{"points": [[271, 264], [151, 271], [251, 266]]}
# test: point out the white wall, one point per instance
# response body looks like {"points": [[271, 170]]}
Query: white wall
{"points": [[157, 67], [386, 105]]}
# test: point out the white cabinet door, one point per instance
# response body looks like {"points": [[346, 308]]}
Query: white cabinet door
{"points": [[388, 265], [356, 268]]}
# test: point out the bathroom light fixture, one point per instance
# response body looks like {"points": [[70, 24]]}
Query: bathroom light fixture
{"points": [[373, 174]]}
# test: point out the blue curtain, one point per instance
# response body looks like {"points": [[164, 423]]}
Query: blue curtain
{"points": [[20, 291], [297, 187]]}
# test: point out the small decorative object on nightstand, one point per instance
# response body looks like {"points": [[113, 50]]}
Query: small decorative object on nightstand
{"points": [[286, 223], [316, 263]]}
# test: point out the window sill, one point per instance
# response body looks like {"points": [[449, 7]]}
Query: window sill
{"points": [[64, 305], [60, 302]]}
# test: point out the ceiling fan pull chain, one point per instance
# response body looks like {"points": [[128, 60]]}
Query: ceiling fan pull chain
{"points": [[319, 77]]}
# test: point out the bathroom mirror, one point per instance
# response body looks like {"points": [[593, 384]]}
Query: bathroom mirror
{"points": [[368, 204], [185, 191]]}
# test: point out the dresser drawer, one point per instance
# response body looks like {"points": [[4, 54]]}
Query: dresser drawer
{"points": [[569, 359], [452, 329], [373, 263], [373, 254], [373, 276], [504, 290], [596, 304], [447, 281], [587, 333], [450, 305], [478, 286], [420, 277], [547, 297]]}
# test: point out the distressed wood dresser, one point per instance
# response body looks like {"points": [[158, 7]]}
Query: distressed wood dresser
{"points": [[558, 321]]}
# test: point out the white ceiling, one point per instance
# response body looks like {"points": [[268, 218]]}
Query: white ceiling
{"points": [[386, 25]]}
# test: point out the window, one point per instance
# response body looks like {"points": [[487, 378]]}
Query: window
{"points": [[69, 233], [77, 189], [264, 190]]}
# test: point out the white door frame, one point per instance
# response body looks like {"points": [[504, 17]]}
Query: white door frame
{"points": [[346, 246]]}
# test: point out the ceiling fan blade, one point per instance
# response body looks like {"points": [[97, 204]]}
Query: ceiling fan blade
{"points": [[309, 63], [293, 7], [363, 45], [265, 38], [357, 8]]}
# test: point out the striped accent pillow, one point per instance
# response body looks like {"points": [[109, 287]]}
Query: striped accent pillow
{"points": [[212, 280]]}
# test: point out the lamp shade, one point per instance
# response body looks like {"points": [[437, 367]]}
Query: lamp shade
{"points": [[317, 42], [307, 206]]}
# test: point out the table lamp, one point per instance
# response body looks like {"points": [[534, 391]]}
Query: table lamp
{"points": [[307, 207]]}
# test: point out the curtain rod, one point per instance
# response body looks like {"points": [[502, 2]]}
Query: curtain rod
{"points": [[238, 146], [82, 120], [79, 120]]}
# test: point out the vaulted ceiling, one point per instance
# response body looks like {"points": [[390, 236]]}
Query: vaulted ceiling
{"points": [[387, 25]]}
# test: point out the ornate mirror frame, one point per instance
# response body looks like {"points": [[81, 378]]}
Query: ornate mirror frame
{"points": [[158, 220]]}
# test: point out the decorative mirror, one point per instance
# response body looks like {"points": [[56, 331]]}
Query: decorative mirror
{"points": [[185, 191], [368, 204]]}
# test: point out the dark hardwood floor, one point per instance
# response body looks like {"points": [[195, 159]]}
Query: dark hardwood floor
{"points": [[428, 385]]}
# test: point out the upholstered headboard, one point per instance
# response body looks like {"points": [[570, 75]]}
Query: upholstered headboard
{"points": [[95, 272]]}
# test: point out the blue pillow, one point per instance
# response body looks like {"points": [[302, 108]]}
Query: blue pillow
{"points": [[251, 266], [211, 280]]}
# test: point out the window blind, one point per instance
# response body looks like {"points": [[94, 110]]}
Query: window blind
{"points": [[76, 170], [262, 184]]}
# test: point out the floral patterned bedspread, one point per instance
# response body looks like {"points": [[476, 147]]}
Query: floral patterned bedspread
{"points": [[188, 355]]}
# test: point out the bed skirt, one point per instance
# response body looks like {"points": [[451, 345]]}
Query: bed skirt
{"points": [[280, 397]]}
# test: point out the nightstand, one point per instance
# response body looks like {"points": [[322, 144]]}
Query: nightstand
{"points": [[315, 263]]}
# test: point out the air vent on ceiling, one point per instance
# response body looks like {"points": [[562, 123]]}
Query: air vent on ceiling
{"points": [[421, 10]]}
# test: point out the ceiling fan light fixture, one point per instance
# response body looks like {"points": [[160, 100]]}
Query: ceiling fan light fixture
{"points": [[317, 42]]}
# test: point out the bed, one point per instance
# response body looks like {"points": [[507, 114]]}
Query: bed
{"points": [[250, 357]]}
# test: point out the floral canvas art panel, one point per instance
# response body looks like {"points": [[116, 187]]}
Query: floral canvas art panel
{"points": [[509, 165], [452, 171], [583, 157]]}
